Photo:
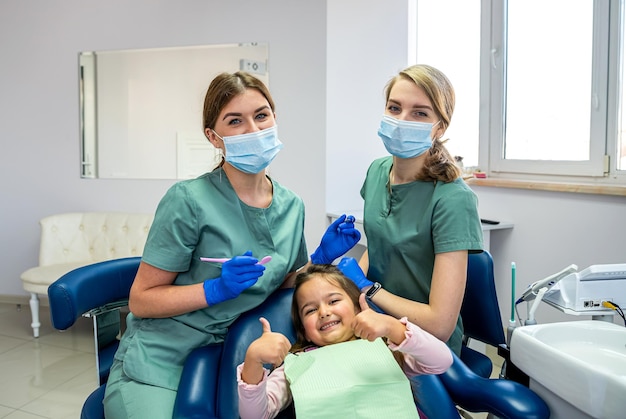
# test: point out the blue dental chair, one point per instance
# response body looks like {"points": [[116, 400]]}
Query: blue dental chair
{"points": [[205, 392], [467, 381], [97, 291], [480, 313], [208, 386]]}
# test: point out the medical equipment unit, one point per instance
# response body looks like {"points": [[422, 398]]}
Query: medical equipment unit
{"points": [[598, 291], [535, 293], [594, 289]]}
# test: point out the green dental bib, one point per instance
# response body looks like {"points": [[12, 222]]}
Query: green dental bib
{"points": [[350, 380]]}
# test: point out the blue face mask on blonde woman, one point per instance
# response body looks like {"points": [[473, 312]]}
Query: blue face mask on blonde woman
{"points": [[405, 139]]}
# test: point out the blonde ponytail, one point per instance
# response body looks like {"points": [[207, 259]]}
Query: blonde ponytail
{"points": [[439, 164]]}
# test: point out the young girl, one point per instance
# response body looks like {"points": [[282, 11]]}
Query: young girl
{"points": [[328, 308]]}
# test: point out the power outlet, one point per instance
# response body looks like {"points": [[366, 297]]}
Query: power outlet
{"points": [[253, 66], [594, 303]]}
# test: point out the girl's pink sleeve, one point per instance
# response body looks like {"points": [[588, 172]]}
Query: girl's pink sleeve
{"points": [[266, 399], [423, 353]]}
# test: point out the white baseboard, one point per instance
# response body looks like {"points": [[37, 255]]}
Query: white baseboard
{"points": [[23, 300]]}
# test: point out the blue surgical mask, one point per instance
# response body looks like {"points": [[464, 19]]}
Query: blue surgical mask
{"points": [[252, 152], [405, 139]]}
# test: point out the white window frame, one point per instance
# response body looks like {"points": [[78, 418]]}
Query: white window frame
{"points": [[604, 102]]}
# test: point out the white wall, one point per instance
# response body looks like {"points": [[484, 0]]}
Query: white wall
{"points": [[367, 45], [39, 45]]}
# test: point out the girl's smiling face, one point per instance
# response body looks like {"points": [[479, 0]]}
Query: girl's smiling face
{"points": [[326, 311]]}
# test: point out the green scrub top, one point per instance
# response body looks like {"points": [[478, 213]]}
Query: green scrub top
{"points": [[204, 217], [406, 225]]}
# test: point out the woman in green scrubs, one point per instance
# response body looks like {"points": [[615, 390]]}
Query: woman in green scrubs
{"points": [[420, 217], [178, 302]]}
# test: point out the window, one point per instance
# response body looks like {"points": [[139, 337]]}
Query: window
{"points": [[552, 120], [548, 80], [538, 82], [619, 21]]}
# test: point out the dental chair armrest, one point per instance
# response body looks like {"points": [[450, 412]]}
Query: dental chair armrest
{"points": [[197, 391], [92, 408], [89, 287], [432, 397], [501, 397]]}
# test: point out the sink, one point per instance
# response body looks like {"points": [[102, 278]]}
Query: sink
{"points": [[577, 367]]}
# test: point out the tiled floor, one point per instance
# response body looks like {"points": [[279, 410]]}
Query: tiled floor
{"points": [[48, 377]]}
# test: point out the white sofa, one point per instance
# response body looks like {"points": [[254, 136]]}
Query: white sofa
{"points": [[71, 240]]}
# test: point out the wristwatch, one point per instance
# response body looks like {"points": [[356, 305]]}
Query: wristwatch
{"points": [[373, 290]]}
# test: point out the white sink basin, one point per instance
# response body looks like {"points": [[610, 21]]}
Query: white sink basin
{"points": [[582, 363]]}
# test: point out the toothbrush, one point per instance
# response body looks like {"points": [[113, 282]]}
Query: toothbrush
{"points": [[263, 261], [512, 325], [513, 269]]}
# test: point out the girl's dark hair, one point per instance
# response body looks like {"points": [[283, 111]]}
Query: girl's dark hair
{"points": [[439, 164], [333, 275]]}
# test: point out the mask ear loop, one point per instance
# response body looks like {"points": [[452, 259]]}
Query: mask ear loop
{"points": [[434, 125], [220, 154]]}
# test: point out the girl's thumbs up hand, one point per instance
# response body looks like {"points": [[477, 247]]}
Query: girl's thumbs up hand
{"points": [[270, 347], [369, 324]]}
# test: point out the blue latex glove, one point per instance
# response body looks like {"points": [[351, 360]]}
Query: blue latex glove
{"points": [[238, 274], [340, 237], [350, 268]]}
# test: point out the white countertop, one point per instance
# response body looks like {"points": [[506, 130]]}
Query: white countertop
{"points": [[358, 214]]}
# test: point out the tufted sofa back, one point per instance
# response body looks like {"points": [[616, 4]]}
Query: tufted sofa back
{"points": [[92, 236]]}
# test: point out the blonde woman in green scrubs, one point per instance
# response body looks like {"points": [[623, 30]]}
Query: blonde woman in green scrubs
{"points": [[179, 302], [420, 217]]}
